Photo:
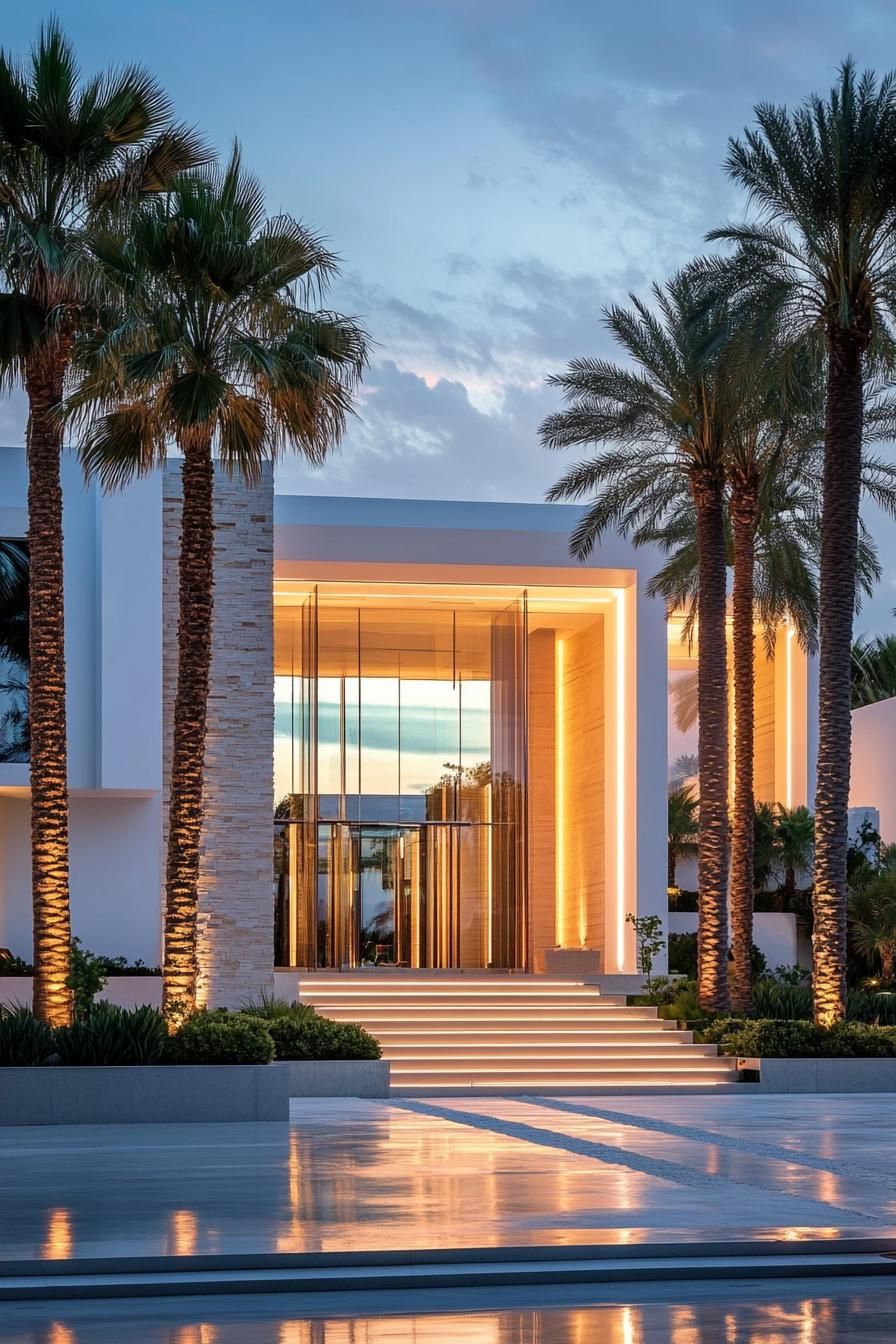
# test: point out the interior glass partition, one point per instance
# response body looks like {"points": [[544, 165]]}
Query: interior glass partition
{"points": [[401, 778]]}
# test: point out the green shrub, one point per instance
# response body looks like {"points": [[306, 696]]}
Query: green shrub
{"points": [[270, 1006], [320, 1038], [779, 1039], [15, 965], [662, 990], [25, 1041], [121, 966], [685, 1007], [758, 961], [716, 1033], [684, 901], [683, 954], [213, 1038], [86, 978], [112, 1035]]}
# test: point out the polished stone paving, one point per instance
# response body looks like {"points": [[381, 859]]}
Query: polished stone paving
{"points": [[846, 1312], [459, 1172]]}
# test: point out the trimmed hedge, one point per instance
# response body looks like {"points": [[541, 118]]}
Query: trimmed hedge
{"points": [[778, 1039], [222, 1038], [315, 1037]]}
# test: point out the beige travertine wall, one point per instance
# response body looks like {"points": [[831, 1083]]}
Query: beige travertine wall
{"points": [[542, 795], [764, 719], [236, 933], [583, 806]]}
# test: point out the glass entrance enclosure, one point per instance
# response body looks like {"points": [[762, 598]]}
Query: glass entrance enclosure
{"points": [[404, 819]]}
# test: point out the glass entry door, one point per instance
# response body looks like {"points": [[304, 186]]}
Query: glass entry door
{"points": [[403, 759]]}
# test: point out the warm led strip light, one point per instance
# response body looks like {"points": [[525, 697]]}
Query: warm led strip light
{"points": [[560, 799], [621, 710], [788, 714]]}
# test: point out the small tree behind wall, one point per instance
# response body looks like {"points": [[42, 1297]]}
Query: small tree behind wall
{"points": [[649, 936]]}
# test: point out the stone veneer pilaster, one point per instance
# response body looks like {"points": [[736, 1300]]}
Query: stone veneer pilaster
{"points": [[236, 932]]}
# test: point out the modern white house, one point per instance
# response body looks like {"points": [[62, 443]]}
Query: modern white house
{"points": [[459, 735]]}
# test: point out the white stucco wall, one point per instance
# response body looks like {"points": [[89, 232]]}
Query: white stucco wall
{"points": [[115, 875], [873, 782], [113, 641]]}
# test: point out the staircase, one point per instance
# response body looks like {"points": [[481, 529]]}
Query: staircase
{"points": [[493, 1034]]}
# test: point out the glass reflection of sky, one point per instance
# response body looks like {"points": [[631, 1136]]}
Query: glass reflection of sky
{"points": [[407, 732]]}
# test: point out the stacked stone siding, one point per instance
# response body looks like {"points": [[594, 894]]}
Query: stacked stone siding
{"points": [[236, 934]]}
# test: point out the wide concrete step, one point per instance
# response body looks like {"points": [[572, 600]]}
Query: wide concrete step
{"points": [[555, 1083], [448, 981], [486, 1003], [647, 1050], [498, 1037], [380, 1273], [681, 1063], [460, 1035]]}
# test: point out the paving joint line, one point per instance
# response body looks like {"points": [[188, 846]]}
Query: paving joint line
{"points": [[774, 1152], [660, 1168]]}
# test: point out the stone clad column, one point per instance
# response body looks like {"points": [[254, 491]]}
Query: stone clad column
{"points": [[236, 917]]}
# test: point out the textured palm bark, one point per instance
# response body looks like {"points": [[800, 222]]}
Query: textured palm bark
{"points": [[887, 962], [839, 540], [789, 887], [194, 636], [744, 511], [712, 709], [52, 998]]}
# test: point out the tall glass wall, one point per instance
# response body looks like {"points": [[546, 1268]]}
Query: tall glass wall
{"points": [[400, 772]]}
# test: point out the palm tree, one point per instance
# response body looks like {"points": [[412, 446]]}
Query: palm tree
{"points": [[823, 250], [212, 350], [68, 152], [772, 541], [794, 843], [684, 809], [670, 419], [765, 845], [686, 765], [872, 918], [873, 670]]}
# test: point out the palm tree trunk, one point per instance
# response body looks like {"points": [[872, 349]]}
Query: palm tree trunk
{"points": [[789, 886], [712, 709], [194, 646], [670, 867], [52, 998], [839, 540], [744, 509]]}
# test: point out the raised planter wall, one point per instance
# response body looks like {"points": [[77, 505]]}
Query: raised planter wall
{"points": [[143, 1094], [824, 1075], [337, 1077]]}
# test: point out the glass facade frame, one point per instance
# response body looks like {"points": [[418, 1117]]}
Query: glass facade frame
{"points": [[400, 767]]}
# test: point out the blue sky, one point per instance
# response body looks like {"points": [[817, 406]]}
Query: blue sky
{"points": [[492, 172]]}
